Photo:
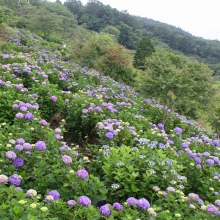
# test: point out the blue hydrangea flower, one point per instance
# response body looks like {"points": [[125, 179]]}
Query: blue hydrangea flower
{"points": [[18, 162]]}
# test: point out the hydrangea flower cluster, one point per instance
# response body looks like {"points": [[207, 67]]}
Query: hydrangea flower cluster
{"points": [[105, 210], [112, 127], [84, 201], [15, 180], [3, 179], [66, 159], [71, 203], [52, 195], [82, 174], [40, 145], [31, 193]]}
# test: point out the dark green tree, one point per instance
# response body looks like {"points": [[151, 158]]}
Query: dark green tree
{"points": [[185, 90], [75, 6], [112, 30], [45, 22], [3, 15], [144, 49], [127, 37]]}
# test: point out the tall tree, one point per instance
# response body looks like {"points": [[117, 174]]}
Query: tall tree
{"points": [[144, 49], [75, 6], [127, 37], [185, 90], [4, 15], [45, 22]]}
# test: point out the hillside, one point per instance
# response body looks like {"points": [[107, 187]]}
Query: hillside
{"points": [[97, 16], [75, 147], [128, 29]]}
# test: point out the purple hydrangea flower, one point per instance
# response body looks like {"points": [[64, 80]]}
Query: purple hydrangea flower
{"points": [[23, 108], [101, 126], [211, 209], [105, 210], [197, 160], [206, 140], [29, 116], [40, 145], [55, 194], [161, 145], [200, 201], [85, 111], [19, 115], [193, 196], [20, 141], [18, 162], [210, 162], [206, 154], [66, 159], [131, 201], [191, 155], [10, 155], [27, 146], [71, 203], [15, 180], [161, 126], [184, 145], [216, 159], [216, 143], [64, 148], [98, 109], [19, 147], [118, 206], [57, 136], [217, 202], [178, 130], [109, 135], [15, 106], [84, 200], [53, 98], [35, 95], [66, 101], [43, 122], [143, 204], [90, 109], [82, 174]]}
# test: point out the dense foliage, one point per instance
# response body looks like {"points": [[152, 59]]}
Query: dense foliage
{"points": [[128, 28], [183, 87], [73, 147], [144, 49]]}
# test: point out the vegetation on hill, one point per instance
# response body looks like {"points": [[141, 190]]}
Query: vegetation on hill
{"points": [[75, 147], [88, 134]]}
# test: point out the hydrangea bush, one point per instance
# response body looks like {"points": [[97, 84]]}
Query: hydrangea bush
{"points": [[72, 147]]}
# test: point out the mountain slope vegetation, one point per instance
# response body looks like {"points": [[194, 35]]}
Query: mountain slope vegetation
{"points": [[86, 135], [75, 147]]}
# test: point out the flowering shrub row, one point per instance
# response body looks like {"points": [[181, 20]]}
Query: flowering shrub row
{"points": [[71, 148]]}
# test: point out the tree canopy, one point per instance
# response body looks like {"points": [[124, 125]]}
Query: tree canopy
{"points": [[185, 89], [144, 49], [44, 21]]}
